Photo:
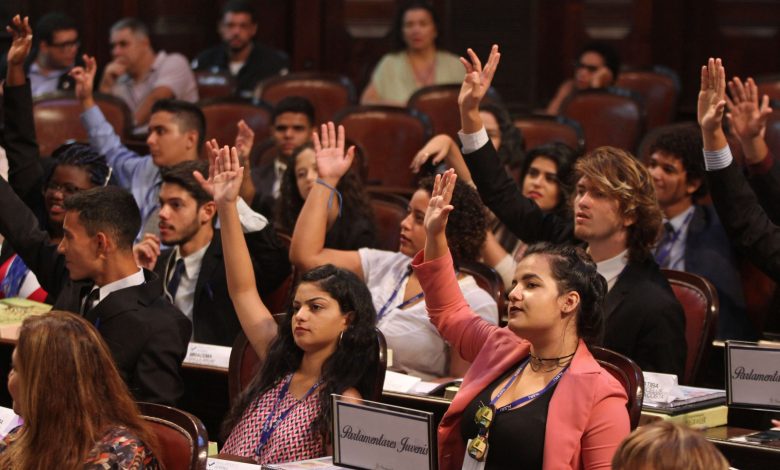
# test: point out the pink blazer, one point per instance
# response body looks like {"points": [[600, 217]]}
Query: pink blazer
{"points": [[587, 417]]}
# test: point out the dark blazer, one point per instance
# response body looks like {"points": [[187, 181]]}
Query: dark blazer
{"points": [[708, 253], [749, 228], [764, 178], [214, 318], [263, 62], [147, 336], [638, 308]]}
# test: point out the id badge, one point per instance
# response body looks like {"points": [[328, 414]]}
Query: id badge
{"points": [[469, 463]]}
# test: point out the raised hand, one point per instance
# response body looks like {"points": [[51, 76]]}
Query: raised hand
{"points": [[746, 118], [712, 96], [225, 175], [477, 79], [245, 139], [21, 34], [332, 161], [439, 207], [435, 150], [85, 80], [147, 251]]}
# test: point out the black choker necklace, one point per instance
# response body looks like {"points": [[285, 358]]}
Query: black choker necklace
{"points": [[550, 363]]}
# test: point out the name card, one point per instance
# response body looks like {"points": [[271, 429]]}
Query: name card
{"points": [[370, 435], [661, 388], [753, 375], [201, 354], [214, 463]]}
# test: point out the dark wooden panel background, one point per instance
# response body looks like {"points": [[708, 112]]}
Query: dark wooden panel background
{"points": [[538, 37]]}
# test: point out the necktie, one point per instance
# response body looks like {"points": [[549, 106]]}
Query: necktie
{"points": [[90, 301], [173, 283], [664, 251]]}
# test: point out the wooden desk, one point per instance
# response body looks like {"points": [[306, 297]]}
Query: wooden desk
{"points": [[742, 455]]}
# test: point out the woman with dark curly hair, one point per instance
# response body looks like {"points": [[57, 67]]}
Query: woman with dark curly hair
{"points": [[352, 230], [307, 358], [417, 347]]}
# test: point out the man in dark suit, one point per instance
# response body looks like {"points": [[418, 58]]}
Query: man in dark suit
{"points": [[239, 54], [193, 271], [615, 213], [694, 239], [92, 271], [293, 123]]}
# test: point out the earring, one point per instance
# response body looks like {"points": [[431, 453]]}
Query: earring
{"points": [[341, 335]]}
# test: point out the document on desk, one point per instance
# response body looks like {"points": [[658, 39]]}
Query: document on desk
{"points": [[214, 463], [323, 463], [210, 355]]}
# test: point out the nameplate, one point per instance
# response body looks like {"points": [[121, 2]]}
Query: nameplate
{"points": [[371, 435], [211, 355], [8, 421], [214, 463], [753, 375]]}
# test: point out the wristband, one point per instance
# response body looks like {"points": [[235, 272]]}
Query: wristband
{"points": [[332, 192]]}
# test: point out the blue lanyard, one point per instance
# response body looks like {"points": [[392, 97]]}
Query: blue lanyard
{"points": [[387, 304], [270, 425], [526, 398], [666, 248]]}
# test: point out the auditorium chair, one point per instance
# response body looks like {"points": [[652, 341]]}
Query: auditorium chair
{"points": [[440, 104], [57, 119], [628, 373], [328, 92], [389, 210], [182, 438], [390, 138], [610, 116], [214, 84], [660, 89], [222, 116], [699, 301], [244, 365], [541, 129], [488, 279]]}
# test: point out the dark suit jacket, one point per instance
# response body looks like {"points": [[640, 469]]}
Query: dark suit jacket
{"points": [[147, 336], [214, 318], [708, 253], [764, 178], [640, 306], [749, 228], [263, 62]]}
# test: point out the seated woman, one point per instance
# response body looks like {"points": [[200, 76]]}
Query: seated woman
{"points": [[537, 373], [668, 446], [417, 347], [597, 66], [352, 230], [76, 409], [285, 413], [417, 61]]}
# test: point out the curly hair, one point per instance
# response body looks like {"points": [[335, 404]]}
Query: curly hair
{"points": [[564, 157], [685, 144], [620, 176], [510, 152], [467, 224], [341, 370], [574, 270], [355, 203], [82, 156]]}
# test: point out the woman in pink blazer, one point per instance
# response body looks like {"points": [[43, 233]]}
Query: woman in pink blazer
{"points": [[534, 396]]}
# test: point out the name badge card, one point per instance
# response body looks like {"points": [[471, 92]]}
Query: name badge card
{"points": [[753, 375], [209, 355], [215, 463], [370, 435]]}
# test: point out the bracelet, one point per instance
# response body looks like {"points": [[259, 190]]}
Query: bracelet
{"points": [[332, 192]]}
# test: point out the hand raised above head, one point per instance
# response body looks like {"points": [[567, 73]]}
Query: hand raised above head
{"points": [[478, 78], [712, 96], [439, 206], [225, 176], [85, 78], [747, 119], [21, 34], [332, 161], [245, 139], [435, 151]]}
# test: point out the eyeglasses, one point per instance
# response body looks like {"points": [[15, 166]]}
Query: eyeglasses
{"points": [[67, 44], [283, 128], [589, 68], [66, 189]]}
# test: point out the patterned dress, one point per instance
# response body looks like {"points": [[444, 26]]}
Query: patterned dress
{"points": [[293, 438], [118, 449]]}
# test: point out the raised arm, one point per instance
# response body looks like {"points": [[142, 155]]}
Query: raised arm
{"points": [[747, 118], [442, 147], [225, 175], [712, 102], [245, 139], [307, 250]]}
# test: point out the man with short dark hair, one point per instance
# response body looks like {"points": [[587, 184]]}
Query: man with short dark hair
{"points": [[176, 134], [193, 271], [694, 239], [92, 271], [239, 54], [615, 212], [140, 76], [293, 123]]}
